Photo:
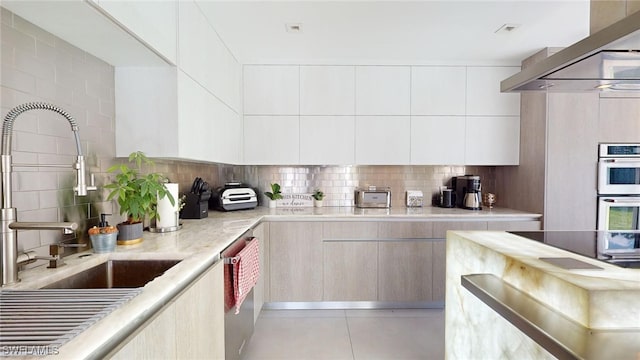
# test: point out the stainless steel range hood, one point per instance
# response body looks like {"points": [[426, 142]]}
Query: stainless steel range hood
{"points": [[606, 60]]}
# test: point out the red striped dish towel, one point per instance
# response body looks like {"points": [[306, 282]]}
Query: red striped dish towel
{"points": [[246, 271]]}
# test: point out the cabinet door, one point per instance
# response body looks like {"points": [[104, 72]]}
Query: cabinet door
{"points": [[383, 90], [295, 261], [271, 90], [439, 270], [350, 270], [405, 230], [405, 270], [492, 140], [327, 140], [155, 22], [440, 228], [327, 90], [437, 140], [383, 140], [261, 290], [271, 140], [438, 90], [483, 92], [155, 341], [205, 57], [201, 115], [199, 319], [514, 225]]}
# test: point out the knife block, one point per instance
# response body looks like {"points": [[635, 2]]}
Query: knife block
{"points": [[196, 206]]}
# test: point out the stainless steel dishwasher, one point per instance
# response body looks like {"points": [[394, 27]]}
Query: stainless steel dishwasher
{"points": [[238, 328]]}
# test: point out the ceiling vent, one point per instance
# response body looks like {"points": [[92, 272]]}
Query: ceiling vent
{"points": [[293, 28], [507, 28]]}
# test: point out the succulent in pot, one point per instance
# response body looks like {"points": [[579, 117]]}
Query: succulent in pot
{"points": [[318, 197], [137, 194], [274, 194]]}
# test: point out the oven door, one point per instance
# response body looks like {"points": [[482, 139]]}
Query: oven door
{"points": [[618, 176], [619, 213]]}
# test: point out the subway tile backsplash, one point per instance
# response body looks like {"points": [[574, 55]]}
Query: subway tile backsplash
{"points": [[339, 182]]}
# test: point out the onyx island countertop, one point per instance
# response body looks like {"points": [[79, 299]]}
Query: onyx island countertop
{"points": [[198, 244], [575, 312]]}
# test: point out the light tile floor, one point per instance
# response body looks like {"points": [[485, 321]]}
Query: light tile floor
{"points": [[348, 334]]}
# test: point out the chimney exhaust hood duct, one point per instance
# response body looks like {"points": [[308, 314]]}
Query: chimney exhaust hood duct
{"points": [[606, 60]]}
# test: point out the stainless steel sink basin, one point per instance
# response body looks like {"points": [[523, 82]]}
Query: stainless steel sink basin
{"points": [[115, 274]]}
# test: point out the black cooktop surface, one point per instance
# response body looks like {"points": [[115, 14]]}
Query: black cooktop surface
{"points": [[621, 248]]}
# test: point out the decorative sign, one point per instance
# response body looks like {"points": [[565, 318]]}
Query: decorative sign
{"points": [[295, 200]]}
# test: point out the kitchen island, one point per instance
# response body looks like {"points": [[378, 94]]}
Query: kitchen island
{"points": [[512, 297], [199, 243]]}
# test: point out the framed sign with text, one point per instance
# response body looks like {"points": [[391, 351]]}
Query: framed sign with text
{"points": [[295, 200]]}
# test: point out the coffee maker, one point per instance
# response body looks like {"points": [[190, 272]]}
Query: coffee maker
{"points": [[468, 190]]}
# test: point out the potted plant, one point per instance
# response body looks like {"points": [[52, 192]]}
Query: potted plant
{"points": [[318, 196], [137, 194], [274, 194]]}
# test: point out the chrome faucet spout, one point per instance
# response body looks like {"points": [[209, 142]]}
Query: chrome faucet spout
{"points": [[8, 217]]}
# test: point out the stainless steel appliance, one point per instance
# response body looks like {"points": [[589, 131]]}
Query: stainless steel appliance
{"points": [[373, 197], [468, 184], [618, 169], [606, 60], [618, 187], [472, 200], [238, 328], [233, 196]]}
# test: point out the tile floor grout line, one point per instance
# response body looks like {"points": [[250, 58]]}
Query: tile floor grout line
{"points": [[346, 319]]}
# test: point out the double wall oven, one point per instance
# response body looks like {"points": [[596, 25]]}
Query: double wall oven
{"points": [[618, 238], [619, 187]]}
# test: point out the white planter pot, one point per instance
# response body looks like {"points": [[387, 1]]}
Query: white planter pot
{"points": [[318, 203], [272, 204]]}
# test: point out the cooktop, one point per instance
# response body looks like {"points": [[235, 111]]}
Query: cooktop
{"points": [[621, 248]]}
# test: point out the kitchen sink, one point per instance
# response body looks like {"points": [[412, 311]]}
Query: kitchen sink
{"points": [[115, 274]]}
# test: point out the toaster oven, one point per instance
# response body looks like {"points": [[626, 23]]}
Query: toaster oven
{"points": [[373, 197]]}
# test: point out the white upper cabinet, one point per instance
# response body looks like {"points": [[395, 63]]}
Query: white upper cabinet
{"points": [[153, 22], [204, 56], [327, 90], [383, 140], [209, 130], [147, 111], [492, 140], [438, 140], [383, 90], [165, 113], [483, 92], [271, 89], [438, 90], [271, 140], [327, 140]]}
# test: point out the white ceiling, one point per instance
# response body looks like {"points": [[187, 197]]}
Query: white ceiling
{"points": [[395, 32]]}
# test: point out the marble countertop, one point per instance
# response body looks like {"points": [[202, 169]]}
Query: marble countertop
{"points": [[199, 244]]}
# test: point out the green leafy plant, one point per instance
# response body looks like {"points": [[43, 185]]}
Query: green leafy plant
{"points": [[137, 194], [275, 193], [318, 195]]}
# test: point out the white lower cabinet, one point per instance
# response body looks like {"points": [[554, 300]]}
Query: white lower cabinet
{"points": [[190, 327]]}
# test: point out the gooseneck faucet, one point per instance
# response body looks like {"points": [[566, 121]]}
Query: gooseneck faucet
{"points": [[8, 217]]}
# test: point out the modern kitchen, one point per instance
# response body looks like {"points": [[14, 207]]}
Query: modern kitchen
{"points": [[330, 180]]}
